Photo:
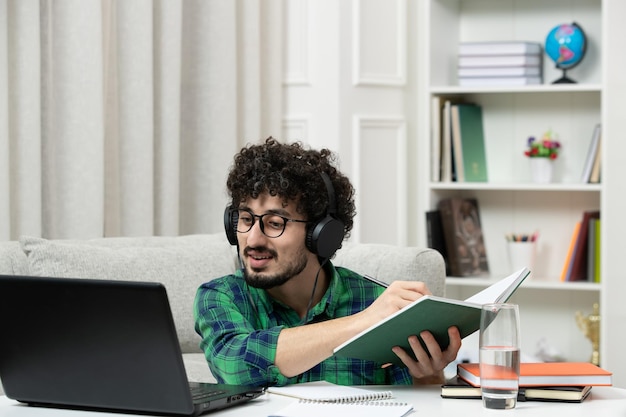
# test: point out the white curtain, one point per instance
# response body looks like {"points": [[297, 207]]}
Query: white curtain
{"points": [[121, 117]]}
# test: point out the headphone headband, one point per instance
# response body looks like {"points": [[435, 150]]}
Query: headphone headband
{"points": [[323, 237], [332, 202]]}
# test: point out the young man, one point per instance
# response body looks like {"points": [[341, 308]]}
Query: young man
{"points": [[277, 320]]}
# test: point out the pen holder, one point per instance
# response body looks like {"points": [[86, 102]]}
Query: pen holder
{"points": [[521, 254]]}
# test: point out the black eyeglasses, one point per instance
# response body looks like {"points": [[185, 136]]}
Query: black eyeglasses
{"points": [[272, 225]]}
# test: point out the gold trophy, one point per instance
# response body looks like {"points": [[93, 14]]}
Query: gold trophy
{"points": [[590, 325]]}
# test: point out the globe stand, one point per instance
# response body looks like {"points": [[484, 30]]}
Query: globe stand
{"points": [[564, 79]]}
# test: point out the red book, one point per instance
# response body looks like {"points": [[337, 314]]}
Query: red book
{"points": [[579, 257], [546, 374]]}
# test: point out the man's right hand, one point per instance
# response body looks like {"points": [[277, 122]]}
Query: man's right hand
{"points": [[397, 296]]}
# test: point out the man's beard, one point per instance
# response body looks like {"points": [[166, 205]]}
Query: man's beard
{"points": [[258, 279]]}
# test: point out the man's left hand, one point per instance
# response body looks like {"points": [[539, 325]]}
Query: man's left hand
{"points": [[428, 369]]}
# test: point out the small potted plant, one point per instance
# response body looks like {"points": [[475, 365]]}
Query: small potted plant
{"points": [[541, 153]]}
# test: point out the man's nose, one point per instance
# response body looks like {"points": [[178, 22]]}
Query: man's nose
{"points": [[255, 234]]}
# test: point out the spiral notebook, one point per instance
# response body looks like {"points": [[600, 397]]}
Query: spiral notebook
{"points": [[306, 408], [323, 391]]}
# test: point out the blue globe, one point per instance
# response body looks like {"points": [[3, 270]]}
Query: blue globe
{"points": [[565, 45]]}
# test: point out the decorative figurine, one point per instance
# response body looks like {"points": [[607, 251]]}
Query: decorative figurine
{"points": [[590, 325]]}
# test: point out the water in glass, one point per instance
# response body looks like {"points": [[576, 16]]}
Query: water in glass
{"points": [[499, 376]]}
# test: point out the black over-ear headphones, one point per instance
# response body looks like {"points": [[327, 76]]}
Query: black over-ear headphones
{"points": [[323, 237], [231, 217]]}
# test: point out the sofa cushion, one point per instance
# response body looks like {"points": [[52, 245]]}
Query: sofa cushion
{"points": [[12, 259], [390, 263], [196, 368], [181, 264]]}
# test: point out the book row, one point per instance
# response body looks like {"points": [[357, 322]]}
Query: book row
{"points": [[454, 229], [458, 142], [500, 63]]}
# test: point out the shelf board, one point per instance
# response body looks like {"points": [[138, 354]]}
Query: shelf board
{"points": [[543, 88], [506, 186], [527, 284]]}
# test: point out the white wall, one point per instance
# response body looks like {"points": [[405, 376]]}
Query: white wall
{"points": [[347, 88]]}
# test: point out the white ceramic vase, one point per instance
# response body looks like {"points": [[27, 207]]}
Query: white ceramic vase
{"points": [[541, 170]]}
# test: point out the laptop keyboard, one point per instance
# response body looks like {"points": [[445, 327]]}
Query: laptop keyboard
{"points": [[202, 392]]}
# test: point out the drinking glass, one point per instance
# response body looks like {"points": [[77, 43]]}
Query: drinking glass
{"points": [[499, 355]]}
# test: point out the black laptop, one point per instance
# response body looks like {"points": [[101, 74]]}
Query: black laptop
{"points": [[100, 345]]}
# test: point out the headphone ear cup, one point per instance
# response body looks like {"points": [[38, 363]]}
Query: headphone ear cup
{"points": [[230, 220], [325, 237]]}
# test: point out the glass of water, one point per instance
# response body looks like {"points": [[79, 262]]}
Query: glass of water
{"points": [[499, 355]]}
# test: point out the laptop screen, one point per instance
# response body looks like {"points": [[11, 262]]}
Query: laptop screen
{"points": [[91, 344]]}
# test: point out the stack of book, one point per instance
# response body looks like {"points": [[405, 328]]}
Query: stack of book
{"points": [[549, 381], [500, 63]]}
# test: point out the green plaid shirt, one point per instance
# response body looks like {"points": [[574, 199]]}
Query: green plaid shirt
{"points": [[240, 343]]}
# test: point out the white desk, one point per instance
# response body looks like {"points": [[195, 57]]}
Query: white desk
{"points": [[603, 401]]}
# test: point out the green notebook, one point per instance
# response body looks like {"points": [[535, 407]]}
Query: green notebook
{"points": [[432, 313]]}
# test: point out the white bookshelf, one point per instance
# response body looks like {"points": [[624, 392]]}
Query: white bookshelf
{"points": [[510, 202], [528, 285]]}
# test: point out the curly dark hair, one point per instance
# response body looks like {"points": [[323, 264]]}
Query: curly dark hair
{"points": [[291, 172]]}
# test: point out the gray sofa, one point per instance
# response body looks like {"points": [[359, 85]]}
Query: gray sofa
{"points": [[182, 263]]}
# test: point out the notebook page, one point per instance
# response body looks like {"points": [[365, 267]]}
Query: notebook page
{"points": [[501, 290]]}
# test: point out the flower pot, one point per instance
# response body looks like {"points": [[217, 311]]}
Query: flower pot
{"points": [[541, 170]]}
